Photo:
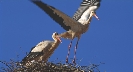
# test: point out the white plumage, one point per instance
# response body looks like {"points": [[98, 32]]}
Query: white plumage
{"points": [[75, 26], [42, 45], [43, 50]]}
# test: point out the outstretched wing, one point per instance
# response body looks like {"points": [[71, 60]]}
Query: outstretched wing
{"points": [[85, 4], [62, 19]]}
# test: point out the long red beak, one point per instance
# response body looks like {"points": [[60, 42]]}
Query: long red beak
{"points": [[96, 16], [59, 39]]}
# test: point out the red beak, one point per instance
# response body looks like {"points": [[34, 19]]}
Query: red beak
{"points": [[59, 39], [96, 16]]}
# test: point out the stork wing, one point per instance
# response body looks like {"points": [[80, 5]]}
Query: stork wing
{"points": [[65, 21], [85, 4], [37, 50], [32, 55]]}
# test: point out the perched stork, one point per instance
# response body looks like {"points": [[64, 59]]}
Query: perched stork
{"points": [[43, 50], [75, 26]]}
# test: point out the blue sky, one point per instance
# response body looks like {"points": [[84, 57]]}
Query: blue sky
{"points": [[109, 40]]}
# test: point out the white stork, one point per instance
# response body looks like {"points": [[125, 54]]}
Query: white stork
{"points": [[43, 50], [75, 26]]}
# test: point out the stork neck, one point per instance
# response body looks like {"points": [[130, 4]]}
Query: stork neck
{"points": [[87, 12], [51, 49], [89, 20], [56, 40], [86, 22]]}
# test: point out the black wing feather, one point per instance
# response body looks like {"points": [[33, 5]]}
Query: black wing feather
{"points": [[84, 6], [50, 11], [32, 55]]}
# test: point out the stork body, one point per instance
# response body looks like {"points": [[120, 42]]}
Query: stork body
{"points": [[75, 26], [43, 50]]}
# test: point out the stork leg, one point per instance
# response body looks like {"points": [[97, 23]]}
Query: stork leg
{"points": [[68, 34], [68, 51], [74, 60]]}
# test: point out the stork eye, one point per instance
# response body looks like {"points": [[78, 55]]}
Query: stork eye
{"points": [[56, 33]]}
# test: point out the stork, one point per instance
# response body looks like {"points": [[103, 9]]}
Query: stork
{"points": [[75, 26], [43, 50]]}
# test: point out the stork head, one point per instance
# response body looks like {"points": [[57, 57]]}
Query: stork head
{"points": [[56, 37], [93, 14]]}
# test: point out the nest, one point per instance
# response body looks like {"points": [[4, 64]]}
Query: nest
{"points": [[13, 66]]}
